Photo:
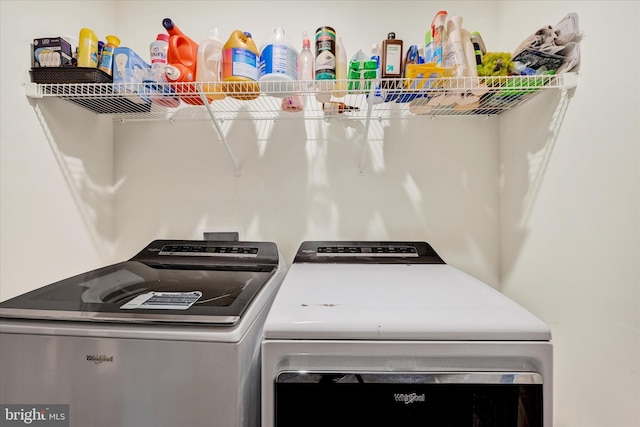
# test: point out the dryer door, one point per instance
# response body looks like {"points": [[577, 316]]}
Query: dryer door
{"points": [[498, 399]]}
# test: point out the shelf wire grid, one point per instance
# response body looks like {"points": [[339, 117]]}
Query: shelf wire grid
{"points": [[357, 99]]}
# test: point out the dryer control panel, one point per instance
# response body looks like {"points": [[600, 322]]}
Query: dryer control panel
{"points": [[367, 252]]}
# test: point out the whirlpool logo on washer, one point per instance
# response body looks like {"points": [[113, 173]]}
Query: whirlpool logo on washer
{"points": [[99, 358], [409, 398]]}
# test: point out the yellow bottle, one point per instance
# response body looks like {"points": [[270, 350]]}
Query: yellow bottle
{"points": [[87, 49], [240, 66]]}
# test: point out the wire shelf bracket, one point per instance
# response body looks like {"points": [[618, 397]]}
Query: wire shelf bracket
{"points": [[203, 97]]}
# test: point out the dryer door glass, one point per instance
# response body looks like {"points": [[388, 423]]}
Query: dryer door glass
{"points": [[408, 400]]}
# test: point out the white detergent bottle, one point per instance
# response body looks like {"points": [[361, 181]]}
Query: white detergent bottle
{"points": [[455, 57], [278, 66], [209, 66]]}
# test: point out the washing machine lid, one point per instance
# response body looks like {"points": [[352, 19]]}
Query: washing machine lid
{"points": [[330, 299], [170, 281]]}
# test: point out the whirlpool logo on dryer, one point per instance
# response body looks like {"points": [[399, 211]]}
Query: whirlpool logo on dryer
{"points": [[409, 398]]}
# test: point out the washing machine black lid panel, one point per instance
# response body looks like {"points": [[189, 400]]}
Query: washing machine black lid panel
{"points": [[367, 252], [100, 294]]}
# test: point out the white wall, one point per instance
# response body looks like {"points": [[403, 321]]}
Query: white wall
{"points": [[542, 203], [426, 180], [570, 215], [56, 160]]}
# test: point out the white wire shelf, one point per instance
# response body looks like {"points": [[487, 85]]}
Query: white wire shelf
{"points": [[306, 100], [400, 98]]}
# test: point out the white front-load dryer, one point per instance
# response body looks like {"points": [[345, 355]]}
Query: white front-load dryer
{"points": [[386, 333]]}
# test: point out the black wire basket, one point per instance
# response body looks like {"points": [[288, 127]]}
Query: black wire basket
{"points": [[62, 75]]}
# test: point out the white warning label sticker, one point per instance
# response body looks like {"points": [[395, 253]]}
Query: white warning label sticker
{"points": [[164, 300]]}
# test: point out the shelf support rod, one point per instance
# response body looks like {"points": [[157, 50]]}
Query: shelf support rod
{"points": [[367, 123], [205, 101]]}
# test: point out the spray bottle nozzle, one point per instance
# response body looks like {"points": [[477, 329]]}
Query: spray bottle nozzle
{"points": [[305, 40], [167, 24]]}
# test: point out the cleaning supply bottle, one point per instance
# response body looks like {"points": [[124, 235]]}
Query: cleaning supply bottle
{"points": [[420, 54], [377, 94], [454, 57], [439, 37], [469, 53], [181, 62], [428, 47], [411, 58], [325, 62], [181, 54], [278, 66], [333, 108], [100, 47], [87, 49], [158, 50], [478, 48], [391, 64], [209, 66], [306, 65], [306, 71], [240, 64], [106, 59], [340, 85], [391, 57]]}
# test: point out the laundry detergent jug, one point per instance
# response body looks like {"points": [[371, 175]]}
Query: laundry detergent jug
{"points": [[181, 63], [240, 66], [208, 67]]}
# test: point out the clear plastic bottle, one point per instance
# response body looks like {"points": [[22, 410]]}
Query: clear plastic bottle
{"points": [[306, 65], [439, 37], [340, 86], [306, 73]]}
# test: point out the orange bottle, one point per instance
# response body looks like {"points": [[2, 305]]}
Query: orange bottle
{"points": [[181, 62]]}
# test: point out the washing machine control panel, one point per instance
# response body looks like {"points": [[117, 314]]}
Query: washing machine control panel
{"points": [[209, 252], [205, 250]]}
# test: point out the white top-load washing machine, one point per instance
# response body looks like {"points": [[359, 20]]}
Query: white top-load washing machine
{"points": [[387, 334], [169, 338]]}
